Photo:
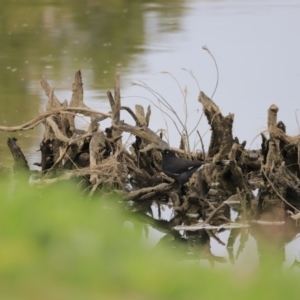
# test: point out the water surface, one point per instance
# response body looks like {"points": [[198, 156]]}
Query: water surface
{"points": [[255, 43]]}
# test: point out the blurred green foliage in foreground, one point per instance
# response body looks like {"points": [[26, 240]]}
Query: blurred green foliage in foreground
{"points": [[55, 244]]}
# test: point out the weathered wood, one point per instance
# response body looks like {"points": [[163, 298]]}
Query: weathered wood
{"points": [[97, 147], [143, 132], [115, 103], [146, 193], [280, 172], [221, 137], [148, 115], [20, 162], [53, 102], [77, 89], [48, 155], [64, 110], [272, 118], [117, 98], [236, 172], [56, 132], [104, 162], [129, 110], [140, 114]]}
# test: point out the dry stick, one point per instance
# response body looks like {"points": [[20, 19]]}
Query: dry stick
{"points": [[26, 126], [213, 213], [77, 91], [298, 147], [71, 141], [82, 110], [213, 117], [272, 118], [278, 194], [196, 125], [95, 186], [45, 182], [163, 101], [117, 103], [123, 147], [39, 119], [136, 195], [56, 130], [140, 114], [59, 159], [117, 94], [111, 99], [297, 120], [147, 196], [148, 115], [167, 136], [130, 111], [209, 204], [75, 173], [202, 145], [48, 90], [184, 95], [181, 90], [243, 204], [159, 108], [193, 76], [62, 155], [206, 49], [143, 133]]}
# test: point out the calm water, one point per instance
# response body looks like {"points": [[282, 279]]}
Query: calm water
{"points": [[255, 43]]}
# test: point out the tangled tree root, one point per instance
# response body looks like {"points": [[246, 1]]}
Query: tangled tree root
{"points": [[100, 158]]}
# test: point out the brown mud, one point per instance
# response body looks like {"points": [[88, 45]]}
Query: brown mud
{"points": [[100, 162]]}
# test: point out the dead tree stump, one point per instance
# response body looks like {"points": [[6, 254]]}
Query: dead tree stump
{"points": [[99, 158]]}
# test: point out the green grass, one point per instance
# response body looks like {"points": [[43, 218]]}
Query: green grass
{"points": [[55, 244]]}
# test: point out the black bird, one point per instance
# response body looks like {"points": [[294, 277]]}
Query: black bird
{"points": [[177, 168]]}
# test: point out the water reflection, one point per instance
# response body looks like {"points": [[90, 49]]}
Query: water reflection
{"points": [[247, 248]]}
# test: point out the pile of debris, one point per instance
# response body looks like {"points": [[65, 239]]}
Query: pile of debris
{"points": [[230, 174]]}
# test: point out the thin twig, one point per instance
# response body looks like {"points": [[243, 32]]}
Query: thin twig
{"points": [[193, 76], [213, 213], [159, 108], [202, 145], [297, 120], [162, 100], [277, 193], [184, 95], [243, 204], [181, 90], [206, 49]]}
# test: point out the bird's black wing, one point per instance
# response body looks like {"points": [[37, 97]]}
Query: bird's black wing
{"points": [[182, 165]]}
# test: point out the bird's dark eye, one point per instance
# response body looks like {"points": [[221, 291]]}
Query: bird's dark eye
{"points": [[167, 151]]}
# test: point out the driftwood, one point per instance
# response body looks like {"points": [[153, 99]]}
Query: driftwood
{"points": [[99, 157], [20, 161]]}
